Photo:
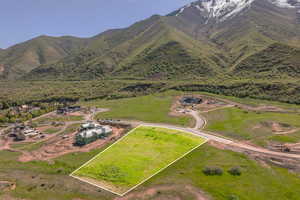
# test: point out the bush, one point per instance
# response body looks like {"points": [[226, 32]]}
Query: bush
{"points": [[233, 197], [212, 171], [235, 171]]}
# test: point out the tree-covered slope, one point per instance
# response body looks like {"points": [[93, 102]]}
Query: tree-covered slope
{"points": [[122, 52], [193, 42], [22, 58], [276, 61]]}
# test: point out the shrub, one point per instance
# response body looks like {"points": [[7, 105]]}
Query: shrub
{"points": [[233, 197], [235, 171], [212, 171]]}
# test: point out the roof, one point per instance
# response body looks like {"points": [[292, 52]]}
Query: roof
{"points": [[98, 131]]}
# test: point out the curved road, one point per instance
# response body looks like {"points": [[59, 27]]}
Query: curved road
{"points": [[201, 122]]}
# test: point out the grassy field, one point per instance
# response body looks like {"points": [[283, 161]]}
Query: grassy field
{"points": [[255, 182], [253, 102], [247, 125], [152, 108], [58, 119], [138, 156], [52, 130], [71, 128], [51, 180]]}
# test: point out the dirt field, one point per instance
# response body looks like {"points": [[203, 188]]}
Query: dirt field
{"points": [[63, 144], [166, 192], [265, 159], [49, 146], [1, 68]]}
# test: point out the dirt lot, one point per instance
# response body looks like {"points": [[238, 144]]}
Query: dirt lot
{"points": [[208, 104], [265, 159], [49, 146], [166, 192], [63, 144]]}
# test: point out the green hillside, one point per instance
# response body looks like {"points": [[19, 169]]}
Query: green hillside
{"points": [[24, 57], [276, 61]]}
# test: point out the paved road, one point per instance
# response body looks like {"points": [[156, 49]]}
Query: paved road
{"points": [[200, 123], [224, 140]]}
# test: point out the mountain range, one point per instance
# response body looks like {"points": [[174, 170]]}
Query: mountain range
{"points": [[206, 39]]}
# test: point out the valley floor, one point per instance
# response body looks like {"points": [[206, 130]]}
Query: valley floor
{"points": [[258, 162]]}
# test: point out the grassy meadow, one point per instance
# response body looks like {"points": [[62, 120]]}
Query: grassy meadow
{"points": [[151, 108], [138, 156], [51, 180], [255, 182], [248, 125]]}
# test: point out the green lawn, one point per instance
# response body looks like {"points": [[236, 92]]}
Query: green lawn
{"points": [[256, 182], [152, 108], [137, 156], [247, 125]]}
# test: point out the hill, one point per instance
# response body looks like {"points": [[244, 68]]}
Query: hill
{"points": [[22, 58], [117, 53], [276, 61], [194, 42]]}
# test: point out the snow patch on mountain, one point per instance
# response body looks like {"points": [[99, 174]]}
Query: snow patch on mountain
{"points": [[286, 3], [219, 9], [224, 9]]}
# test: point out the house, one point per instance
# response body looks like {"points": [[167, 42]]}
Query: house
{"points": [[21, 132], [90, 132], [68, 109], [98, 131], [30, 132], [190, 100]]}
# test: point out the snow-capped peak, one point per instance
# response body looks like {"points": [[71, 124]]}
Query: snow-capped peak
{"points": [[286, 3], [221, 10]]}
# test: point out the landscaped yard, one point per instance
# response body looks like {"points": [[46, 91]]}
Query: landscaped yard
{"points": [[136, 157]]}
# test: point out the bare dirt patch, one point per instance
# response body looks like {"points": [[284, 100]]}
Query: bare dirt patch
{"points": [[5, 143], [8, 197], [208, 104], [166, 192], [63, 144], [278, 128], [2, 68], [7, 186], [289, 148], [293, 164]]}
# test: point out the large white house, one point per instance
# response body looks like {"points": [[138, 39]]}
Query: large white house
{"points": [[98, 130], [91, 129]]}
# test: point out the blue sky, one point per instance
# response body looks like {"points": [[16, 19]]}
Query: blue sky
{"points": [[21, 20]]}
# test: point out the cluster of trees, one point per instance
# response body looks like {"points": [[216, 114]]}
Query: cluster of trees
{"points": [[217, 171], [12, 114], [282, 92]]}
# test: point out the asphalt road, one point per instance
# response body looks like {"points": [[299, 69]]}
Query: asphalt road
{"points": [[200, 123]]}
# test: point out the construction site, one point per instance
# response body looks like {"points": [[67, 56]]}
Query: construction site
{"points": [[54, 135]]}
